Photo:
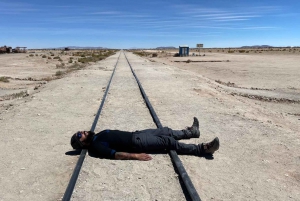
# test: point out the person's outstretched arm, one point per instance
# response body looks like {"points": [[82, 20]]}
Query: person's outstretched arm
{"points": [[132, 156]]}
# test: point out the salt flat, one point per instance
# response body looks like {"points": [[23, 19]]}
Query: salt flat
{"points": [[258, 157]]}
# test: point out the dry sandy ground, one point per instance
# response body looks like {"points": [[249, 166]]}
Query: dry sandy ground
{"points": [[259, 154]]}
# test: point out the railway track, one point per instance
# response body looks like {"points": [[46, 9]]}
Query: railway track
{"points": [[125, 87]]}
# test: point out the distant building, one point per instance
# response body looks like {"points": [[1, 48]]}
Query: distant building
{"points": [[8, 49], [19, 50], [184, 50], [5, 49]]}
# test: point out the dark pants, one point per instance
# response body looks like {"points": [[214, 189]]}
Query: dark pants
{"points": [[163, 139]]}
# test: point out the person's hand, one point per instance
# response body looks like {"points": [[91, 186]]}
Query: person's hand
{"points": [[132, 156], [143, 157]]}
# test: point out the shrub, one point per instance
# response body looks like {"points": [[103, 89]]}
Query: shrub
{"points": [[59, 73], [44, 56], [83, 60], [4, 79], [19, 95], [242, 51], [49, 57], [140, 53], [47, 79], [60, 59], [61, 65], [31, 55], [76, 66], [154, 55], [231, 51], [70, 61]]}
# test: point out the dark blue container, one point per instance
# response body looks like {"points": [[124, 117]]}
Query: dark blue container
{"points": [[184, 51]]}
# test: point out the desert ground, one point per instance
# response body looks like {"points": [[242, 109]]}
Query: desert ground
{"points": [[249, 100]]}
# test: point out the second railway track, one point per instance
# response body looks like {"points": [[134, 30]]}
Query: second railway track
{"points": [[102, 179]]}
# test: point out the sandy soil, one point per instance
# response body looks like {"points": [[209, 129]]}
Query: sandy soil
{"points": [[259, 154]]}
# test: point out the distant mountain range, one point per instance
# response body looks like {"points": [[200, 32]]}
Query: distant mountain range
{"points": [[78, 47], [74, 47], [268, 46], [167, 47], [257, 46], [162, 47]]}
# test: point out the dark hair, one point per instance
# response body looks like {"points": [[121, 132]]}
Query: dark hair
{"points": [[77, 144]]}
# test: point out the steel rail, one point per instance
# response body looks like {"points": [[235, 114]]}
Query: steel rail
{"points": [[74, 177], [176, 161]]}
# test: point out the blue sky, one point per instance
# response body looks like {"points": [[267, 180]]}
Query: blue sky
{"points": [[149, 24]]}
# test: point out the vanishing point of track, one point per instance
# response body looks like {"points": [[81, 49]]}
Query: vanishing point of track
{"points": [[187, 183]]}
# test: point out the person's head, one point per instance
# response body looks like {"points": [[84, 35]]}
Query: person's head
{"points": [[82, 139]]}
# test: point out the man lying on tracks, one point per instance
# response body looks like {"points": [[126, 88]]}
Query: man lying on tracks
{"points": [[115, 144]]}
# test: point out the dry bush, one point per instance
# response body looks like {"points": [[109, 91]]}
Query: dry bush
{"points": [[47, 79], [20, 94], [154, 55], [4, 79], [61, 65], [76, 66], [140, 53], [229, 84], [59, 73]]}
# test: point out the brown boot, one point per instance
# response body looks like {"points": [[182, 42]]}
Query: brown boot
{"points": [[193, 131], [211, 147]]}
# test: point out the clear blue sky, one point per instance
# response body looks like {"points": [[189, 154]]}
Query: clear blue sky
{"points": [[149, 24]]}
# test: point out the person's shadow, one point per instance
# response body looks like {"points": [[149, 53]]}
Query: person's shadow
{"points": [[78, 151], [208, 156], [73, 152]]}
